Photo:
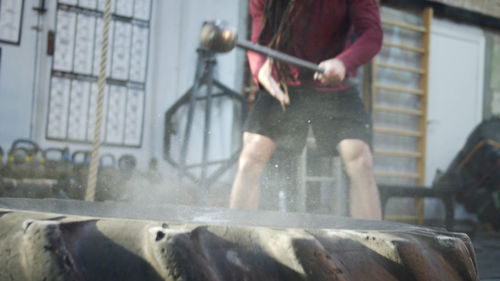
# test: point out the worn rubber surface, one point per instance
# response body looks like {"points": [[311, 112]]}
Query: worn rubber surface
{"points": [[112, 242]]}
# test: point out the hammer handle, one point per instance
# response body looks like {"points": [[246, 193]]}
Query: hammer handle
{"points": [[278, 55]]}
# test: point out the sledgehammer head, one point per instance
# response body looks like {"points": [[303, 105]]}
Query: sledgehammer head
{"points": [[218, 36]]}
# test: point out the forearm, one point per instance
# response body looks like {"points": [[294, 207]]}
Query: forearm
{"points": [[362, 51], [365, 18]]}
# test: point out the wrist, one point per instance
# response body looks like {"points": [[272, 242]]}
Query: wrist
{"points": [[344, 62]]}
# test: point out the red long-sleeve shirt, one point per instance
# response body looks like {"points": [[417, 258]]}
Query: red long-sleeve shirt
{"points": [[322, 32]]}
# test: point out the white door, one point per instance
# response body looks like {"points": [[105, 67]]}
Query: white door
{"points": [[18, 40], [455, 91]]}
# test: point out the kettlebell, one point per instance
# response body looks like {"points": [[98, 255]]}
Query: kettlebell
{"points": [[27, 144], [19, 163], [1, 162], [107, 178], [80, 160], [126, 167], [31, 164], [38, 165], [127, 163], [57, 163], [2, 186]]}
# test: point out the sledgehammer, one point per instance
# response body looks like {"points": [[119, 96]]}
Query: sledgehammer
{"points": [[219, 37]]}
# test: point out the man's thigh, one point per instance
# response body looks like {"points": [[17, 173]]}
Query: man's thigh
{"points": [[288, 129], [342, 117]]}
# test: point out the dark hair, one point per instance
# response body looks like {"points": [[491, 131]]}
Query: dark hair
{"points": [[278, 23]]}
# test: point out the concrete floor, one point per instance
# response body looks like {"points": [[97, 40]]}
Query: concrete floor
{"points": [[487, 247]]}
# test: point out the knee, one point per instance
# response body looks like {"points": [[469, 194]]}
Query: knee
{"points": [[251, 161], [257, 150], [359, 161]]}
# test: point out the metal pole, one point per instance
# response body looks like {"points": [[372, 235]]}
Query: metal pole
{"points": [[278, 55], [200, 67], [208, 112]]}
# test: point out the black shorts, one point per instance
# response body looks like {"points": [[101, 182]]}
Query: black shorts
{"points": [[334, 116]]}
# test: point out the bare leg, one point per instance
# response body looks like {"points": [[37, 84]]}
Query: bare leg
{"points": [[364, 195], [257, 150]]}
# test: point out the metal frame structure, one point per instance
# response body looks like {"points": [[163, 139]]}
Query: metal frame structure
{"points": [[204, 76]]}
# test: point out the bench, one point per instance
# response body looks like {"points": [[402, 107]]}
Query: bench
{"points": [[444, 193]]}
